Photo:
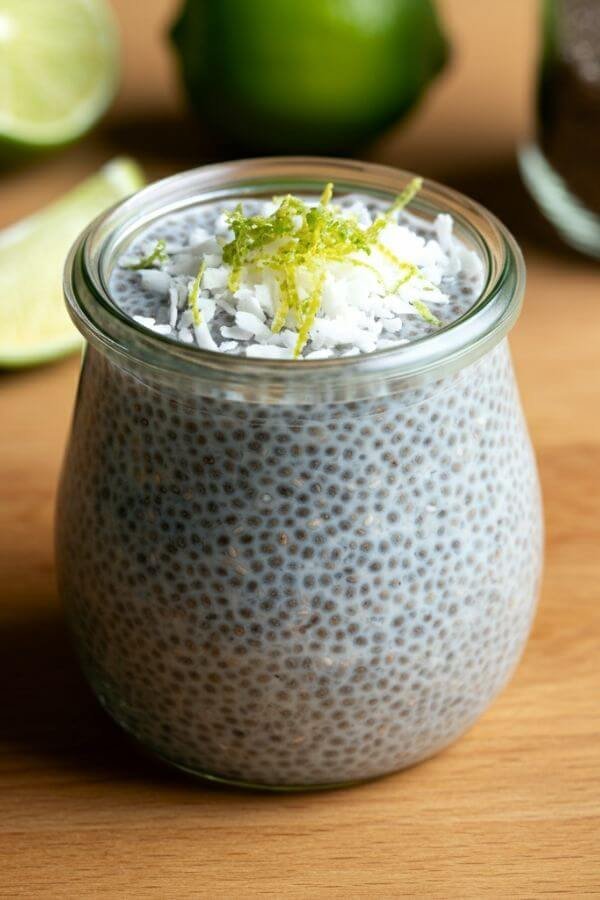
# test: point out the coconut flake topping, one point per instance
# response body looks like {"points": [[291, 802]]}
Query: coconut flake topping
{"points": [[304, 279]]}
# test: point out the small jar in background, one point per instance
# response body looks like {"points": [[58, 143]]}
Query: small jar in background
{"points": [[561, 167]]}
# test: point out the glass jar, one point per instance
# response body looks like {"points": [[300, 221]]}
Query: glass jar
{"points": [[297, 573], [562, 165]]}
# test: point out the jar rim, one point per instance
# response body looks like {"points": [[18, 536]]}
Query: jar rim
{"points": [[110, 329]]}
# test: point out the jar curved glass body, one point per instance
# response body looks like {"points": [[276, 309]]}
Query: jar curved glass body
{"points": [[289, 577]]}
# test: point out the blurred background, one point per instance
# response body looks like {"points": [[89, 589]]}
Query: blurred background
{"points": [[447, 89], [499, 100], [459, 77], [465, 131]]}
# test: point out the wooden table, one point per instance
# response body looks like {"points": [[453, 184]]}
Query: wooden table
{"points": [[513, 809]]}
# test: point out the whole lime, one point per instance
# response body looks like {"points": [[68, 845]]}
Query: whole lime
{"points": [[306, 75]]}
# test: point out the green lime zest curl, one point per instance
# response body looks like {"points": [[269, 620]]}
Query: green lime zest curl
{"points": [[310, 309], [404, 197], [193, 295], [297, 237], [425, 313], [288, 300], [327, 194], [156, 258], [402, 200]]}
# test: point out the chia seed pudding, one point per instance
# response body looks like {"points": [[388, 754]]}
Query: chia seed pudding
{"points": [[277, 572]]}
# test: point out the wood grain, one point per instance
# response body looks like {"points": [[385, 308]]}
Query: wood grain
{"points": [[513, 809]]}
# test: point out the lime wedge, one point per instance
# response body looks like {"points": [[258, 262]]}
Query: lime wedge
{"points": [[34, 324], [58, 70]]}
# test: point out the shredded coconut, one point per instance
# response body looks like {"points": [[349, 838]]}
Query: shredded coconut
{"points": [[366, 298]]}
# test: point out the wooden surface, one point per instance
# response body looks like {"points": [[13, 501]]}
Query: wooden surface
{"points": [[513, 809]]}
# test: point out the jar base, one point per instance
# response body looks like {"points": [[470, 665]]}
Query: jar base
{"points": [[151, 753], [578, 226], [226, 781]]}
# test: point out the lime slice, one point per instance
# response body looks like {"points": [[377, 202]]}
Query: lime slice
{"points": [[58, 70], [34, 324]]}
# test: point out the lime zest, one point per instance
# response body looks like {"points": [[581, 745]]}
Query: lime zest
{"points": [[363, 264], [327, 194], [404, 197], [401, 201], [395, 260], [156, 258], [411, 271], [423, 310], [296, 236], [288, 299], [310, 309], [233, 253], [193, 293]]}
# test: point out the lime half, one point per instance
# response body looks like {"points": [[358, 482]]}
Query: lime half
{"points": [[58, 70], [34, 324]]}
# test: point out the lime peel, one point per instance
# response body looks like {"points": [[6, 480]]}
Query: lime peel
{"points": [[157, 257], [426, 313], [404, 197], [193, 295], [297, 236]]}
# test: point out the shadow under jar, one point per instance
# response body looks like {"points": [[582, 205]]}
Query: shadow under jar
{"points": [[297, 573]]}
